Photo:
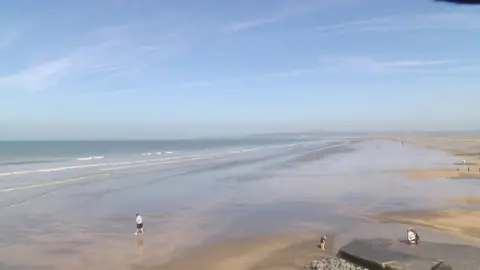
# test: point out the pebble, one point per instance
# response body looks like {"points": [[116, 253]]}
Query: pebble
{"points": [[332, 264]]}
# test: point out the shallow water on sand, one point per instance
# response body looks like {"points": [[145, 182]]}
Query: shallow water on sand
{"points": [[88, 222]]}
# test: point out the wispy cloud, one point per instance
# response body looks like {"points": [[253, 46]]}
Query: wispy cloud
{"points": [[111, 93], [114, 53], [296, 72], [415, 63], [9, 38], [329, 65], [38, 77], [371, 65], [196, 84], [52, 72], [431, 21], [287, 11]]}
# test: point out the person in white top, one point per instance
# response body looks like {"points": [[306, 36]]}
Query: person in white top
{"points": [[139, 221], [412, 236]]}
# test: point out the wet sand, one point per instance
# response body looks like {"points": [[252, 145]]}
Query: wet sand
{"points": [[433, 174], [290, 251], [462, 223], [468, 200], [197, 202], [459, 213], [282, 251], [461, 144]]}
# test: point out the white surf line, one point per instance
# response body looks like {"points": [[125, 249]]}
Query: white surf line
{"points": [[182, 159], [153, 164], [98, 175], [141, 161], [71, 180], [202, 157], [32, 198], [105, 164], [99, 165]]}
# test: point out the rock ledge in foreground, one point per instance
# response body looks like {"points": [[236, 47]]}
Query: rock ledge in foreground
{"points": [[392, 254], [332, 264]]}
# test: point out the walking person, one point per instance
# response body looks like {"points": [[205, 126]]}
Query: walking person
{"points": [[139, 221]]}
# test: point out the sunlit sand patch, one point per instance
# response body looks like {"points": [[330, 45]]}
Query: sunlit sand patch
{"points": [[462, 223], [475, 159], [288, 251], [459, 144], [74, 247], [432, 174], [467, 200]]}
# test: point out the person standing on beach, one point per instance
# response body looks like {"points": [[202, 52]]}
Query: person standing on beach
{"points": [[323, 241], [139, 221], [412, 236]]}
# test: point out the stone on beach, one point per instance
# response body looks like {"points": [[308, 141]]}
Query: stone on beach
{"points": [[442, 266], [331, 264]]}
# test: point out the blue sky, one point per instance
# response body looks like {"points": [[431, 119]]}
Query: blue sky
{"points": [[156, 68]]}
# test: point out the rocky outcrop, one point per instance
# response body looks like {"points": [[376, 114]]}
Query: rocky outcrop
{"points": [[341, 264], [396, 254], [332, 264], [442, 266]]}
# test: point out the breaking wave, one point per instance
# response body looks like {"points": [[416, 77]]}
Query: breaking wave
{"points": [[89, 158]]}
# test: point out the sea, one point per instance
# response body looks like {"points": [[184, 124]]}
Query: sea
{"points": [[31, 152]]}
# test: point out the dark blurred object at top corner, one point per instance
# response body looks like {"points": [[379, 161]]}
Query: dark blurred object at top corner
{"points": [[461, 2]]}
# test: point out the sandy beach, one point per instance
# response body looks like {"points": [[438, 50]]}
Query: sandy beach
{"points": [[469, 200], [433, 174], [462, 223], [459, 214], [282, 251], [461, 144], [257, 208]]}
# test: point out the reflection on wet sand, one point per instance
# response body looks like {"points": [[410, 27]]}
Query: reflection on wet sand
{"points": [[289, 251], [463, 223], [89, 225], [443, 173], [459, 213], [467, 200], [140, 244]]}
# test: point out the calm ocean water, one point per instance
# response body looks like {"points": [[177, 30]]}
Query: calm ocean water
{"points": [[25, 152]]}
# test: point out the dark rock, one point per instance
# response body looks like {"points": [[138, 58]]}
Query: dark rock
{"points": [[332, 264], [393, 254], [442, 266], [461, 2]]}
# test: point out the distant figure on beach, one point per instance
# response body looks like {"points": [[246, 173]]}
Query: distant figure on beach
{"points": [[464, 161], [412, 236], [323, 241], [139, 221]]}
